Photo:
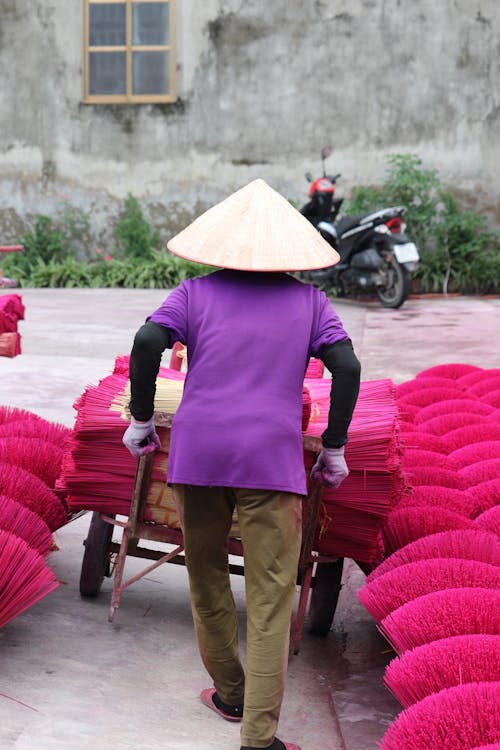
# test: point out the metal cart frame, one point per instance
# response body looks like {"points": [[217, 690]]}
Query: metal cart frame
{"points": [[320, 573]]}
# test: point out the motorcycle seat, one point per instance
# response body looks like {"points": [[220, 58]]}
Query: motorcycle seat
{"points": [[348, 222]]}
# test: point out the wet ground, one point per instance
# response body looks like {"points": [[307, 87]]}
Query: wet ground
{"points": [[69, 679]]}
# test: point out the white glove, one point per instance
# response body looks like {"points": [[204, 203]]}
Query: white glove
{"points": [[141, 438], [330, 469]]}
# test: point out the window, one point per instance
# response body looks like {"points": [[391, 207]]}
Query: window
{"points": [[129, 51]]}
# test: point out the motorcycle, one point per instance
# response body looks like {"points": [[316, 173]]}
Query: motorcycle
{"points": [[376, 256]]}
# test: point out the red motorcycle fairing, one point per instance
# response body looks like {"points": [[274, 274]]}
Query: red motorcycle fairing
{"points": [[322, 185]]}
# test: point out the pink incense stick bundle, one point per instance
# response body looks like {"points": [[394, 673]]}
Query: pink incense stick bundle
{"points": [[452, 406], [408, 412], [441, 614], [493, 399], [28, 427], [486, 494], [407, 582], [352, 516], [122, 364], [409, 524], [8, 322], [422, 440], [12, 303], [10, 344], [490, 520], [467, 544], [315, 368], [97, 471], [443, 664], [421, 457], [425, 396], [457, 501], [471, 454], [373, 443], [489, 746], [446, 423], [34, 494], [485, 385], [466, 381], [434, 475], [11, 413], [476, 433], [457, 718], [410, 386], [452, 371], [24, 577], [482, 471], [39, 457], [22, 522]]}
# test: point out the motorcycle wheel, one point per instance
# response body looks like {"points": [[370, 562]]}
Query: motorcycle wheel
{"points": [[398, 287]]}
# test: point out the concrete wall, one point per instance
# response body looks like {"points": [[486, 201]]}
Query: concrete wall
{"points": [[262, 87]]}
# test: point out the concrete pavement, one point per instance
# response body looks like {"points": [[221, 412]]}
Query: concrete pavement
{"points": [[69, 679]]}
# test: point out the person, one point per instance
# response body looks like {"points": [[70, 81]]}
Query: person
{"points": [[250, 328]]}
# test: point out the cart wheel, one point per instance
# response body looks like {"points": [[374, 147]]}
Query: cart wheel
{"points": [[325, 595], [96, 557]]}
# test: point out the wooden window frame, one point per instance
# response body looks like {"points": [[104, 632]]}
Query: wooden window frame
{"points": [[129, 49]]}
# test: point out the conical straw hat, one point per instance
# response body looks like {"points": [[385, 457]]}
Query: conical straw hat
{"points": [[255, 229]]}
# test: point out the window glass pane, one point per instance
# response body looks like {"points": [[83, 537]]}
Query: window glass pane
{"points": [[107, 73], [151, 23], [107, 25], [151, 73]]}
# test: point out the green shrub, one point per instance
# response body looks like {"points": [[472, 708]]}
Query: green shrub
{"points": [[63, 273], [458, 252], [136, 238]]}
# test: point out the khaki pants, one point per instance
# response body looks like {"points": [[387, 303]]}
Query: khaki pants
{"points": [[270, 528]]}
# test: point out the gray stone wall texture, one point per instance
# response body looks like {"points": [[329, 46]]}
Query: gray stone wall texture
{"points": [[262, 87]]}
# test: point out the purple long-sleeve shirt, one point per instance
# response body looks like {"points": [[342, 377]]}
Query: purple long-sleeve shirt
{"points": [[249, 337]]}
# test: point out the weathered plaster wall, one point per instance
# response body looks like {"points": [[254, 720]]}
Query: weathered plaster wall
{"points": [[262, 86]]}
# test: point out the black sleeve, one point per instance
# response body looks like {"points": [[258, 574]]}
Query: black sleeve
{"points": [[340, 359], [149, 343]]}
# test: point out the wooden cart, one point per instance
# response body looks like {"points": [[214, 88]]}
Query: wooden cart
{"points": [[104, 557]]}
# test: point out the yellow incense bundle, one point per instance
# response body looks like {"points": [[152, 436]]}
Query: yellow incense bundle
{"points": [[167, 398]]}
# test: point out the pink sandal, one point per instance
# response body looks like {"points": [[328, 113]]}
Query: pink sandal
{"points": [[207, 697]]}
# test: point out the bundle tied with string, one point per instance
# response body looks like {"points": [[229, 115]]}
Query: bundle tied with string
{"points": [[352, 516], [98, 472]]}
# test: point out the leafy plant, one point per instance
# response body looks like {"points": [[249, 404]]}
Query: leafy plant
{"points": [[66, 273], [76, 230], [136, 238], [458, 252]]}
